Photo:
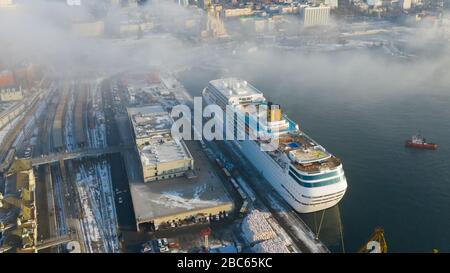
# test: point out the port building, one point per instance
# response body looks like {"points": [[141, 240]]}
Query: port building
{"points": [[161, 155], [167, 190]]}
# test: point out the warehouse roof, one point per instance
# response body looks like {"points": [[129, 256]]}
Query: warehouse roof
{"points": [[149, 120]]}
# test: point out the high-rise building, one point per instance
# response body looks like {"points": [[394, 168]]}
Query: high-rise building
{"points": [[314, 16]]}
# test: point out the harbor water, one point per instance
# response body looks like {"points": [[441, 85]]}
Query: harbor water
{"points": [[405, 191]]}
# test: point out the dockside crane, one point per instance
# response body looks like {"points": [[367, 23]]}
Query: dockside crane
{"points": [[376, 244]]}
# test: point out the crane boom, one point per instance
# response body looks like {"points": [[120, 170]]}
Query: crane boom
{"points": [[376, 244]]}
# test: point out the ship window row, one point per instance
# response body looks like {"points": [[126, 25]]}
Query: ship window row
{"points": [[293, 197], [332, 198], [314, 177], [321, 196], [315, 184], [310, 204]]}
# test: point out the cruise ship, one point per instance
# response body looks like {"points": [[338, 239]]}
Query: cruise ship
{"points": [[302, 171]]}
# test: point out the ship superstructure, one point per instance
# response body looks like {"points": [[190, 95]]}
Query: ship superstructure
{"points": [[419, 142], [302, 171]]}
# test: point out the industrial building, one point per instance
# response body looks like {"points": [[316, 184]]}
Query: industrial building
{"points": [[180, 201], [170, 192], [161, 155]]}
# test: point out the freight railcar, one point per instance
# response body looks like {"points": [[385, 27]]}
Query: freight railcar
{"points": [[80, 136], [57, 130]]}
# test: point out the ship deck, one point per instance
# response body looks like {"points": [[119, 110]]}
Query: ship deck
{"points": [[310, 156]]}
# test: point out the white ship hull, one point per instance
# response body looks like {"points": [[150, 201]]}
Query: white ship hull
{"points": [[308, 194], [320, 198]]}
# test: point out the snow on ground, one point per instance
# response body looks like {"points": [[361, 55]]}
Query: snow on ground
{"points": [[96, 194], [97, 135], [90, 231], [174, 199], [305, 235], [59, 205], [93, 179]]}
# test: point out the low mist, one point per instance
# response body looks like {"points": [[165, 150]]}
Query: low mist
{"points": [[40, 32]]}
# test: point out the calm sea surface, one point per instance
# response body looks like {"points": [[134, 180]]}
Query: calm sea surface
{"points": [[407, 192]]}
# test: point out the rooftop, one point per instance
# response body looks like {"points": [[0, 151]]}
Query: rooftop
{"points": [[179, 195], [10, 88], [162, 148], [149, 120]]}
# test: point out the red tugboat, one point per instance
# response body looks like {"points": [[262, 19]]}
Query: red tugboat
{"points": [[419, 142]]}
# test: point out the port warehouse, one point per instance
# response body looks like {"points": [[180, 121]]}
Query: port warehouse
{"points": [[161, 155], [170, 191], [57, 131]]}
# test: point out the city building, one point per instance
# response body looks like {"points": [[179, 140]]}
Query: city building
{"points": [[11, 93], [18, 209], [406, 4], [214, 25], [161, 155], [9, 89], [7, 4], [333, 4], [236, 12], [374, 3], [7, 78], [291, 9], [314, 16], [204, 4]]}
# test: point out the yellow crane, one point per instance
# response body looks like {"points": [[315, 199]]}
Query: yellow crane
{"points": [[376, 244]]}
